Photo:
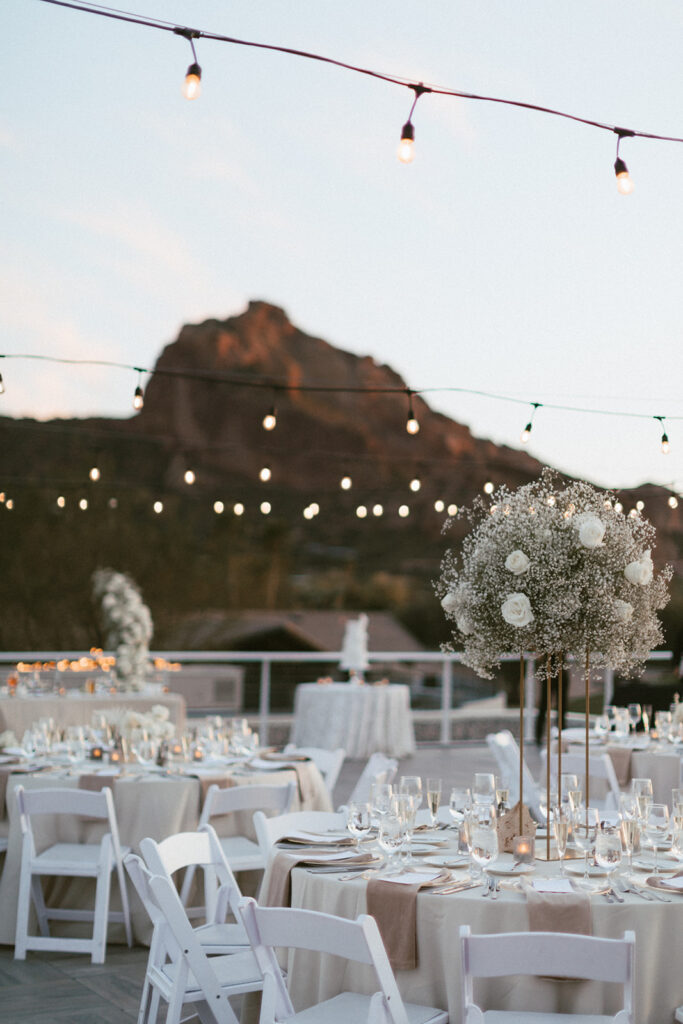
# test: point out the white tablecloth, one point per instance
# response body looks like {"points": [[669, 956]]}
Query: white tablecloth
{"points": [[146, 805], [362, 719], [19, 713], [437, 979]]}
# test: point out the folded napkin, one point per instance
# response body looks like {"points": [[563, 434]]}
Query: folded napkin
{"points": [[271, 755], [621, 760], [315, 839], [672, 883], [276, 888], [393, 904], [553, 906]]}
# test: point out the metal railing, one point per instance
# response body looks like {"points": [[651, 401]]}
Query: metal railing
{"points": [[268, 658]]}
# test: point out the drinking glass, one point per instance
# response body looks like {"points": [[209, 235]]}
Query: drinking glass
{"points": [[677, 843], [390, 838], [433, 799], [484, 787], [483, 845], [622, 723], [634, 713], [575, 798], [602, 726], [647, 717], [381, 796], [459, 803], [407, 810], [656, 829], [663, 724], [561, 819], [642, 791], [629, 830], [585, 827], [358, 820], [502, 798], [411, 785], [677, 801], [608, 851]]}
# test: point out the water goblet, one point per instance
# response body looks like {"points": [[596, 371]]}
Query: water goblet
{"points": [[483, 787], [433, 799], [641, 789], [608, 851], [677, 801], [358, 820], [381, 795], [634, 713], [390, 839], [460, 801], [657, 829], [677, 843], [602, 726], [483, 845], [411, 785]]}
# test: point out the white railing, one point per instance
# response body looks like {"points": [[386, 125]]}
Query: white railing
{"points": [[268, 658]]}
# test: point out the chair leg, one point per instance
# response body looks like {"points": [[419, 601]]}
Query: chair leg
{"points": [[23, 910], [101, 917], [125, 904], [206, 1016], [39, 903]]}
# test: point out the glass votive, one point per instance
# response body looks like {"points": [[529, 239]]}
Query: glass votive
{"points": [[96, 753], [523, 849]]}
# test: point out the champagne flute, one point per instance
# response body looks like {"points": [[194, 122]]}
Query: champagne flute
{"points": [[585, 827], [629, 828], [647, 717], [561, 820], [642, 791], [575, 798], [502, 798], [634, 713], [433, 799], [657, 828], [407, 810]]}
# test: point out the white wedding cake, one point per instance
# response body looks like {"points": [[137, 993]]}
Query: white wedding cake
{"points": [[355, 647]]}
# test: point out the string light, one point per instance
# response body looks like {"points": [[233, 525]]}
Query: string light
{"points": [[158, 507], [618, 507], [218, 507], [269, 421], [308, 514], [2, 385], [266, 508], [314, 507], [640, 505], [412, 425], [415, 484], [488, 487], [189, 477], [138, 397], [361, 511], [346, 483], [192, 86], [378, 510], [439, 505], [238, 508], [665, 446], [624, 183], [83, 504], [403, 511], [526, 433], [265, 474], [94, 473], [9, 504], [61, 501], [452, 510], [113, 503], [673, 501]]}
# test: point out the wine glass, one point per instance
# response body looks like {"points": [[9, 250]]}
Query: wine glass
{"points": [[381, 795], [663, 724], [641, 789], [677, 801], [407, 810], [629, 828], [585, 826], [483, 787], [608, 851], [657, 828], [460, 801], [647, 717], [358, 820], [390, 838], [483, 845], [411, 785], [634, 713], [561, 820], [433, 799], [602, 726]]}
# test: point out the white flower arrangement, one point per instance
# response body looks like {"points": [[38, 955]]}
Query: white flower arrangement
{"points": [[128, 625], [554, 569], [136, 725]]}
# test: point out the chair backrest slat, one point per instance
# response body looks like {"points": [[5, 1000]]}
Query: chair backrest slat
{"points": [[248, 798]]}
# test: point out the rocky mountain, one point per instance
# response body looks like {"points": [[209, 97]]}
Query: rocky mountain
{"points": [[203, 411]]}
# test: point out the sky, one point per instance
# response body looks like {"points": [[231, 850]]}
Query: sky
{"points": [[502, 259]]}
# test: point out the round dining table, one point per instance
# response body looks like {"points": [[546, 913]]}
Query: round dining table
{"points": [[147, 803], [437, 979], [362, 718]]}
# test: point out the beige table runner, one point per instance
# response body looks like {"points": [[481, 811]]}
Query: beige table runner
{"points": [[558, 911]]}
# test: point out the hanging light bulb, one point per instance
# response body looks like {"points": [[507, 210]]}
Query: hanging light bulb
{"points": [[439, 505], [238, 509], [2, 385], [412, 425], [138, 398], [346, 483], [415, 484], [378, 510], [624, 183], [265, 474], [406, 150], [189, 476], [269, 421], [640, 505], [488, 487], [526, 433], [403, 511], [665, 446], [452, 510], [94, 473], [673, 501], [192, 86], [361, 511], [218, 507], [266, 508], [83, 504], [158, 507], [618, 507], [314, 507]]}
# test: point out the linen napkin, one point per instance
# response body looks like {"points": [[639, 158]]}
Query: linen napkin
{"points": [[276, 890], [393, 904], [621, 760], [315, 839], [669, 883], [553, 906]]}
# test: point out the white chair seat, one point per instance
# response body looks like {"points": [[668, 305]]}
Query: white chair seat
{"points": [[222, 936], [242, 854], [71, 858], [235, 970], [527, 1017], [349, 1007]]}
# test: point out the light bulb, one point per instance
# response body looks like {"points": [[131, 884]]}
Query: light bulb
{"points": [[666, 447], [270, 419], [361, 512], [61, 501], [265, 508], [406, 150], [412, 426], [265, 474], [618, 507], [439, 505], [9, 504], [138, 398], [345, 483], [218, 507], [83, 504], [403, 511], [314, 507], [189, 476], [377, 510], [488, 487], [308, 513], [624, 183], [238, 509], [415, 484], [192, 86], [640, 505], [113, 503], [94, 473], [673, 501], [158, 507], [452, 510], [2, 385], [526, 434]]}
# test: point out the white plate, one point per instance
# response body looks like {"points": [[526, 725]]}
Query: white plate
{"points": [[666, 865], [444, 861], [577, 867], [504, 867], [420, 849]]}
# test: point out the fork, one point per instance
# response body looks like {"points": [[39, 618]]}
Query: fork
{"points": [[495, 888]]}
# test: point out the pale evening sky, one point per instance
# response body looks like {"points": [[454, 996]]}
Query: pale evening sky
{"points": [[502, 259]]}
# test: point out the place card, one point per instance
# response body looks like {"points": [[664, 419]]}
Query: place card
{"points": [[561, 885]]}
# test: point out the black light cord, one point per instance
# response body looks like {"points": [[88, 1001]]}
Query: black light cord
{"points": [[418, 87]]}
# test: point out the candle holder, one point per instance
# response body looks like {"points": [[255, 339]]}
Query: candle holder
{"points": [[523, 849]]}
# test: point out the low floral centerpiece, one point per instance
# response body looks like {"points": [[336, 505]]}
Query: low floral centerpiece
{"points": [[559, 570], [128, 626]]}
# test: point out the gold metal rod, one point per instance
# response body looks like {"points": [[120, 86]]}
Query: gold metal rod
{"points": [[547, 771], [521, 742], [588, 715], [559, 732]]}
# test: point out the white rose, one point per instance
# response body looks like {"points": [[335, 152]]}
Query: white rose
{"points": [[517, 563], [591, 532], [622, 611], [450, 603], [640, 573], [516, 610], [161, 712], [464, 624]]}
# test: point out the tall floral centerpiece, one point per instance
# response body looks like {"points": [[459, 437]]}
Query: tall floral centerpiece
{"points": [[128, 625], [558, 570]]}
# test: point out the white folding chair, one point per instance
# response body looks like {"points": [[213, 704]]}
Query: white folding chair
{"points": [[545, 954], [601, 770], [505, 750], [270, 830], [241, 853], [202, 849], [379, 768], [178, 969], [74, 859], [328, 762], [357, 940]]}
